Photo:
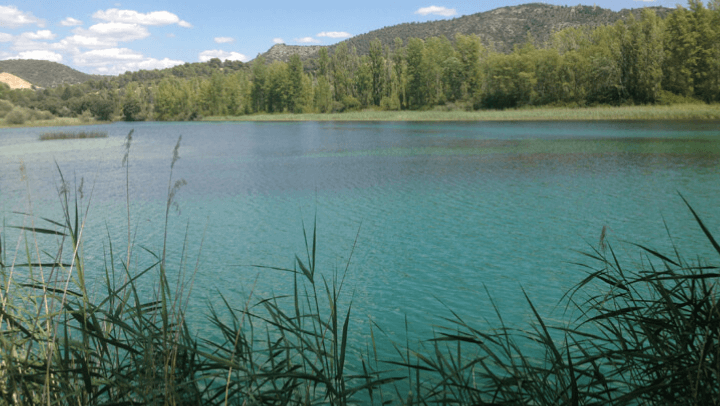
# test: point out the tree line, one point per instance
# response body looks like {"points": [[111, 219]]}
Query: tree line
{"points": [[645, 60]]}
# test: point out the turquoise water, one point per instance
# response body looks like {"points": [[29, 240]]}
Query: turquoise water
{"points": [[433, 214]]}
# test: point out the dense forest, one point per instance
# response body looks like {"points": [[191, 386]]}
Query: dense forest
{"points": [[644, 60]]}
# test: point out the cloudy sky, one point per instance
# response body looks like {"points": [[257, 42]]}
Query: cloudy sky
{"points": [[112, 37]]}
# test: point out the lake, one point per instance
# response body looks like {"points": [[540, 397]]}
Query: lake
{"points": [[435, 215]]}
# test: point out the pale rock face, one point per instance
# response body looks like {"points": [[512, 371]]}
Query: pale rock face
{"points": [[282, 52], [14, 82]]}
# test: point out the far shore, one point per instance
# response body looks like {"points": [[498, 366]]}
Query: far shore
{"points": [[674, 112], [602, 113]]}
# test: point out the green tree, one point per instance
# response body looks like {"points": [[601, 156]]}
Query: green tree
{"points": [[277, 87], [258, 96], [469, 51], [680, 49], [377, 71], [323, 99], [295, 94], [399, 78], [706, 77], [417, 90]]}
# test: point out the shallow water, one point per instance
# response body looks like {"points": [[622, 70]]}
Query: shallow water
{"points": [[433, 214]]}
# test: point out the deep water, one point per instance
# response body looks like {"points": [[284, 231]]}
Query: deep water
{"points": [[435, 215]]}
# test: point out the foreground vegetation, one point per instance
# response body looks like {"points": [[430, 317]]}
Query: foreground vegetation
{"points": [[636, 61], [647, 333]]}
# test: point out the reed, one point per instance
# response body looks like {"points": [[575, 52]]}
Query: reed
{"points": [[646, 334], [69, 135]]}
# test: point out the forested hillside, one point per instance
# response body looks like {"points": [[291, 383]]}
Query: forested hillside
{"points": [[643, 60], [45, 73], [502, 28]]}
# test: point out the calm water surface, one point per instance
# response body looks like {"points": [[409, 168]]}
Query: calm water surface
{"points": [[437, 213]]}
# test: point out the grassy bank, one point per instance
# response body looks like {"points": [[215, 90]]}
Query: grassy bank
{"points": [[675, 112], [53, 122], [648, 332]]}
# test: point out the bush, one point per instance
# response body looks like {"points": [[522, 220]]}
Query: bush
{"points": [[17, 117], [390, 103], [667, 98], [86, 116], [5, 108], [39, 115]]}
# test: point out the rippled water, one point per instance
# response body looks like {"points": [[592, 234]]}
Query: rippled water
{"points": [[437, 213]]}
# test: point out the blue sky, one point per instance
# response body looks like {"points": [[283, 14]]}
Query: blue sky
{"points": [[112, 37]]}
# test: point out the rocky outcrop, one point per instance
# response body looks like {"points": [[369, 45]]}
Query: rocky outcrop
{"points": [[282, 52]]}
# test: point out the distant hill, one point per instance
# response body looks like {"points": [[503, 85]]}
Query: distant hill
{"points": [[45, 73], [502, 28]]}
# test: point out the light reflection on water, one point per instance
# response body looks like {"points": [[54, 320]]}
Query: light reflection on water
{"points": [[440, 211]]}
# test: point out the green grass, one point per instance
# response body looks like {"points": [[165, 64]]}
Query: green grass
{"points": [[648, 333], [54, 122], [675, 112], [67, 135]]}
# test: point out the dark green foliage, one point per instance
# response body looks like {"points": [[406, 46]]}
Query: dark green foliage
{"points": [[131, 109], [101, 107]]}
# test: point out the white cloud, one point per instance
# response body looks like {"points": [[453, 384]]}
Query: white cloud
{"points": [[440, 11], [40, 55], [106, 35], [32, 41], [224, 40], [278, 41], [70, 22], [335, 34], [222, 55], [39, 35], [5, 37], [113, 61], [11, 17], [307, 40], [114, 15]]}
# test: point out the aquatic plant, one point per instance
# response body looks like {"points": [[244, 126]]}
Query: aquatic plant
{"points": [[65, 135]]}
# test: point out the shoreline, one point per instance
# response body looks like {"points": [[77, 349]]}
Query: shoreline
{"points": [[602, 113], [704, 112]]}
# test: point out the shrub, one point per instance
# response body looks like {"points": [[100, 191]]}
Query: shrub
{"points": [[17, 117], [5, 108], [86, 116], [39, 115]]}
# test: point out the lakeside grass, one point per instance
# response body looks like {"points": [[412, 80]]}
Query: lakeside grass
{"points": [[54, 122], [648, 332], [674, 112]]}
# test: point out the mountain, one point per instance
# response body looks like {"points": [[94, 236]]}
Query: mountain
{"points": [[503, 28], [45, 73]]}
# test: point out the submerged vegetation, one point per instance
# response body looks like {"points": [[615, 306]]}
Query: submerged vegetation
{"points": [[646, 333], [67, 135], [649, 61]]}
